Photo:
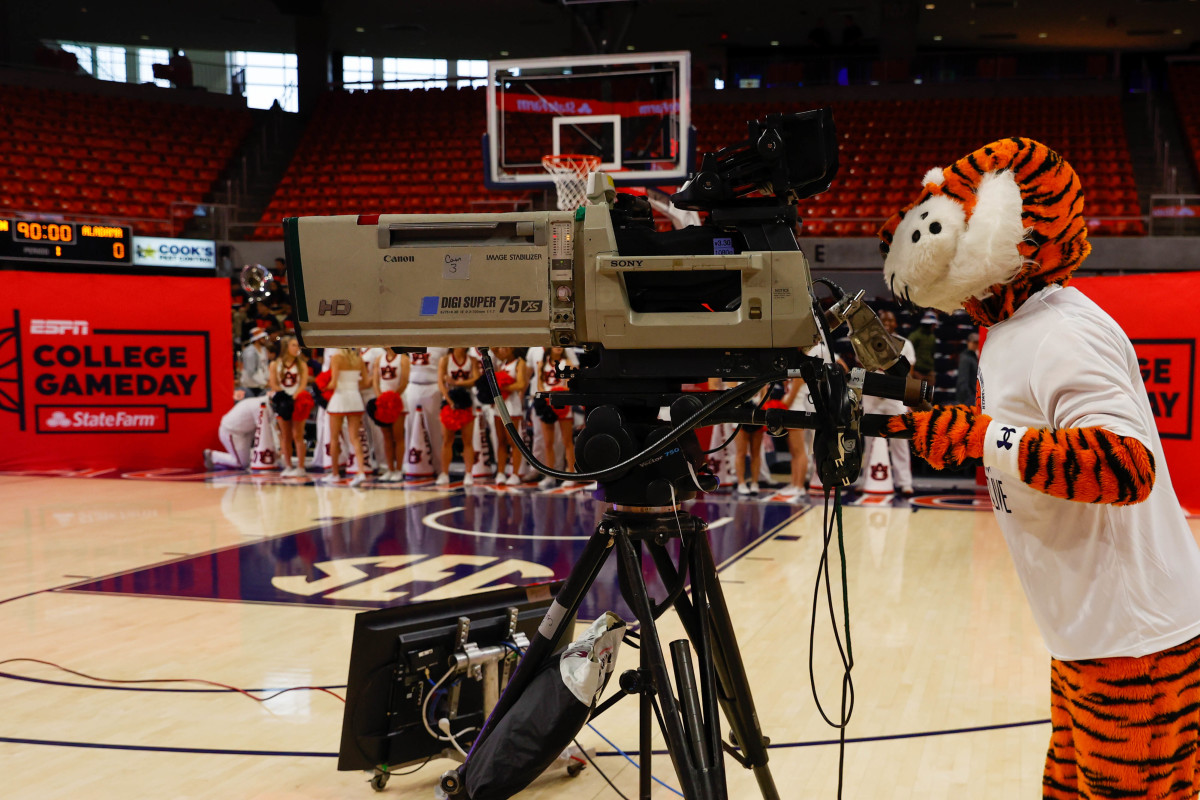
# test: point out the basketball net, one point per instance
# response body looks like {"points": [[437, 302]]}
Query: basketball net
{"points": [[570, 172]]}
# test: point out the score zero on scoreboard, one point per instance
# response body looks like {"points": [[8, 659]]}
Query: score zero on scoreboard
{"points": [[73, 242]]}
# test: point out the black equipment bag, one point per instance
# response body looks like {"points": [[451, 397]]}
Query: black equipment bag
{"points": [[546, 717]]}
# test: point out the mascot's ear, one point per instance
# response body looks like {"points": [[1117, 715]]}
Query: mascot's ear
{"points": [[936, 176], [988, 251]]}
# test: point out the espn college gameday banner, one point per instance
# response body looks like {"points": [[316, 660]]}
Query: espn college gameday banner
{"points": [[111, 371], [1158, 313]]}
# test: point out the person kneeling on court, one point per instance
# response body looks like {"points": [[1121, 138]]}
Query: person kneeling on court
{"points": [[236, 433]]}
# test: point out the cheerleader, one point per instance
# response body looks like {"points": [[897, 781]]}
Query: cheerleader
{"points": [[457, 372], [749, 437], [548, 380], [391, 375], [513, 394], [348, 377], [423, 393], [289, 374]]}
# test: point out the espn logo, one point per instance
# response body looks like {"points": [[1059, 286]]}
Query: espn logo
{"points": [[101, 419], [53, 327]]}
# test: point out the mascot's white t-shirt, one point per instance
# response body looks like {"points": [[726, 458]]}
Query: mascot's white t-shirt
{"points": [[1102, 580]]}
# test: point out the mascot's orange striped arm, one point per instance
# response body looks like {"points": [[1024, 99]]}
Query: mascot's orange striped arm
{"points": [[1087, 465]]}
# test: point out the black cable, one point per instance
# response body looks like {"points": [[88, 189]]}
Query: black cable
{"points": [[411, 771], [725, 398], [829, 523], [596, 767], [723, 444]]}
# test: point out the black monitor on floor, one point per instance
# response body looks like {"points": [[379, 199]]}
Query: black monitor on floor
{"points": [[399, 658]]}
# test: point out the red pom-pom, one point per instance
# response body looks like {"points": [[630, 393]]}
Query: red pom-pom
{"points": [[388, 407], [302, 406], [455, 418], [322, 381], [504, 380], [565, 411], [775, 404]]}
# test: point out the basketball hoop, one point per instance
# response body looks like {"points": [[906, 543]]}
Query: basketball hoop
{"points": [[570, 172]]}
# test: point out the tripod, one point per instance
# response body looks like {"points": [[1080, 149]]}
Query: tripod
{"points": [[688, 708]]}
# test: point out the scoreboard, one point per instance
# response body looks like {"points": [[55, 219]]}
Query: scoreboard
{"points": [[66, 242]]}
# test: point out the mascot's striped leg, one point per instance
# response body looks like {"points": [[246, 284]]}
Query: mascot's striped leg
{"points": [[1126, 727]]}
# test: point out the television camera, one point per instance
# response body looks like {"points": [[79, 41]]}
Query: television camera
{"points": [[732, 298]]}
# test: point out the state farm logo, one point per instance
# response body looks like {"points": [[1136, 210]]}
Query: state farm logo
{"points": [[101, 419], [54, 327], [59, 420]]}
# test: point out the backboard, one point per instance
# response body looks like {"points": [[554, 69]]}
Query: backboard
{"points": [[632, 110]]}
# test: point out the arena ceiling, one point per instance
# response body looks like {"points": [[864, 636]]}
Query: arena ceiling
{"points": [[484, 28]]}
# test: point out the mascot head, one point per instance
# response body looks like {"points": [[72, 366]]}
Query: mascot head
{"points": [[988, 231]]}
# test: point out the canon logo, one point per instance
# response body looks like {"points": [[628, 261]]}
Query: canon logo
{"points": [[53, 327], [627, 262]]}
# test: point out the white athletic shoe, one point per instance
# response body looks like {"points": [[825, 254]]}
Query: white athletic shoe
{"points": [[547, 483], [513, 480], [359, 479], [790, 491], [743, 489], [397, 476], [753, 487], [299, 472], [442, 480], [468, 479]]}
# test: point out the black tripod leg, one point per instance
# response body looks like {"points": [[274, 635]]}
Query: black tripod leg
{"points": [[691, 783], [708, 674], [739, 708], [733, 688]]}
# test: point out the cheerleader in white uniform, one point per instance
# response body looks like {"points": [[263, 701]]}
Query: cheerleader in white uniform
{"points": [[423, 392], [514, 401], [391, 375], [289, 373], [458, 369], [348, 378], [548, 380]]}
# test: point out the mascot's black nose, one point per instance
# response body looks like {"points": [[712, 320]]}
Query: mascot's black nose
{"points": [[916, 236], [935, 227]]}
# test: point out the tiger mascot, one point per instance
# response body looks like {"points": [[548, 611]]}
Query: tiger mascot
{"points": [[1075, 468]]}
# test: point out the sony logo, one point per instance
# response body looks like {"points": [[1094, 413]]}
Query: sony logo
{"points": [[58, 326], [626, 262]]}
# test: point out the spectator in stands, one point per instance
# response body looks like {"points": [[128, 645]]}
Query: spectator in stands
{"points": [[968, 371], [924, 342], [348, 377], [256, 361], [818, 35], [236, 433], [852, 35]]}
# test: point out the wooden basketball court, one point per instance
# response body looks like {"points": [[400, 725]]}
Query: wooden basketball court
{"points": [[253, 584]]}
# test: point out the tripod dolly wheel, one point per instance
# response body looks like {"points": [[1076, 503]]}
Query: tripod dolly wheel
{"points": [[379, 779]]}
